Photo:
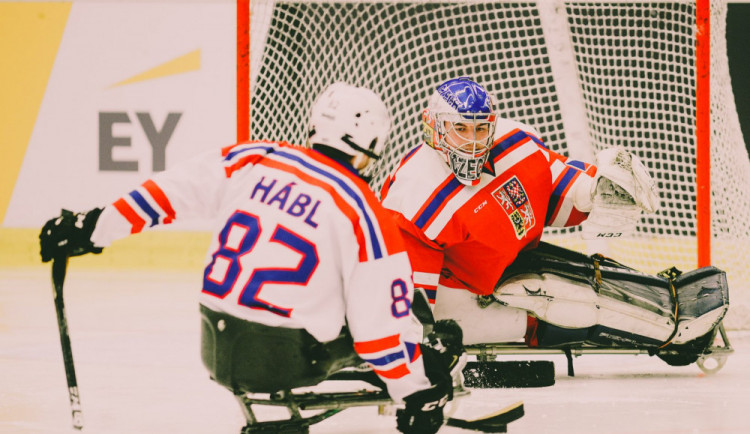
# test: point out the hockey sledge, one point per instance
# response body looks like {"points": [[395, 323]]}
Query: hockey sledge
{"points": [[272, 366], [673, 315], [330, 404], [324, 405]]}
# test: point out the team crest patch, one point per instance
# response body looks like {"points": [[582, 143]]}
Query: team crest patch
{"points": [[513, 199]]}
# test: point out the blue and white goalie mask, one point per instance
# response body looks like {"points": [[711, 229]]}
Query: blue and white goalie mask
{"points": [[460, 123]]}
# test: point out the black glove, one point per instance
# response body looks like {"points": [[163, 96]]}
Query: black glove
{"points": [[423, 413], [446, 338], [69, 235]]}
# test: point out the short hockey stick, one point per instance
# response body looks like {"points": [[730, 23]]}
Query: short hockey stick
{"points": [[59, 268]]}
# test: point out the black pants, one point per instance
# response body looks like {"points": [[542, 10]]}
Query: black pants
{"points": [[245, 356]]}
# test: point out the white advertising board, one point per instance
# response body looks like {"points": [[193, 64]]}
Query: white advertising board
{"points": [[135, 87]]}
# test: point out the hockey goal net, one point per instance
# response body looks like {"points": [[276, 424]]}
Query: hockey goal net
{"points": [[587, 75]]}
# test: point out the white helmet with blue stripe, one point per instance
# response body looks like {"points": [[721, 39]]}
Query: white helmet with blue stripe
{"points": [[349, 120], [460, 123]]}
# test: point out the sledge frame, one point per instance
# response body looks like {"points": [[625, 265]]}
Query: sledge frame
{"points": [[332, 403], [710, 361]]}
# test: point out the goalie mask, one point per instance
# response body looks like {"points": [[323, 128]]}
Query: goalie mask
{"points": [[349, 120], [460, 123]]}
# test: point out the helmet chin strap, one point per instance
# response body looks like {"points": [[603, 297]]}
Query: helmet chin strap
{"points": [[360, 161], [346, 138]]}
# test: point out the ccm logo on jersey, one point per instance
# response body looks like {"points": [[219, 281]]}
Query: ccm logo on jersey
{"points": [[609, 235], [481, 205], [513, 200]]}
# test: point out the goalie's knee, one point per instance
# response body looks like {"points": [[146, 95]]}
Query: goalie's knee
{"points": [[493, 323], [551, 298]]}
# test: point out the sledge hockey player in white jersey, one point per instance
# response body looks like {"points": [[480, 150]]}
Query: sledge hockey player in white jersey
{"points": [[302, 253], [472, 201]]}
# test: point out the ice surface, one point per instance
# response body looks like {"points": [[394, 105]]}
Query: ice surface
{"points": [[135, 338]]}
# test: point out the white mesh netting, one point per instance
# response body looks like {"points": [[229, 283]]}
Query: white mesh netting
{"points": [[587, 75]]}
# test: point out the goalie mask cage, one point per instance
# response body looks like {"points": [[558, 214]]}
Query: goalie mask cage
{"points": [[587, 75]]}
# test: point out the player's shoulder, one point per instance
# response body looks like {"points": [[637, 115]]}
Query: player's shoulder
{"points": [[337, 173], [422, 172], [302, 161], [518, 139], [504, 127], [258, 147], [422, 167], [338, 179], [375, 231]]}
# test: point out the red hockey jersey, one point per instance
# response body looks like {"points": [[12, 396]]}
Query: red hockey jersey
{"points": [[465, 236]]}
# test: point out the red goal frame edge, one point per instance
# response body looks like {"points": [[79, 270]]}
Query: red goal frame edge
{"points": [[243, 70], [703, 131]]}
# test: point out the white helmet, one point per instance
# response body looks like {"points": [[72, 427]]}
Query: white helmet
{"points": [[352, 120], [460, 123]]}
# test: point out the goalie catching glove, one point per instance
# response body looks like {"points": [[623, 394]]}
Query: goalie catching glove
{"points": [[622, 189], [69, 235], [443, 356]]}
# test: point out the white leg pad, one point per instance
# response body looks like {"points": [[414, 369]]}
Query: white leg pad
{"points": [[619, 315], [571, 304], [492, 324], [551, 298]]}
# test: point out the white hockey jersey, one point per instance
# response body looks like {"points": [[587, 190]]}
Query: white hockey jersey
{"points": [[301, 242]]}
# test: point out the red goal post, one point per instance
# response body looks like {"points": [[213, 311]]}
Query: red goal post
{"points": [[651, 76]]}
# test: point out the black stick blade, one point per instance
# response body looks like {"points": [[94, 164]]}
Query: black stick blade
{"points": [[496, 422]]}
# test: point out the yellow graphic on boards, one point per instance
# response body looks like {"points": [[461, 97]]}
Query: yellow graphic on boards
{"points": [[188, 62], [30, 35]]}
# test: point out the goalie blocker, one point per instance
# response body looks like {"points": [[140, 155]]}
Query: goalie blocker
{"points": [[574, 299]]}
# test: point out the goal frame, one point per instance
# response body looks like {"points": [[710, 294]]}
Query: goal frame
{"points": [[703, 112], [697, 217]]}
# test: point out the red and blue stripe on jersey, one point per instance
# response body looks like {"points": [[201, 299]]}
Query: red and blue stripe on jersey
{"points": [[573, 169], [388, 357], [146, 203], [512, 139], [435, 203]]}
